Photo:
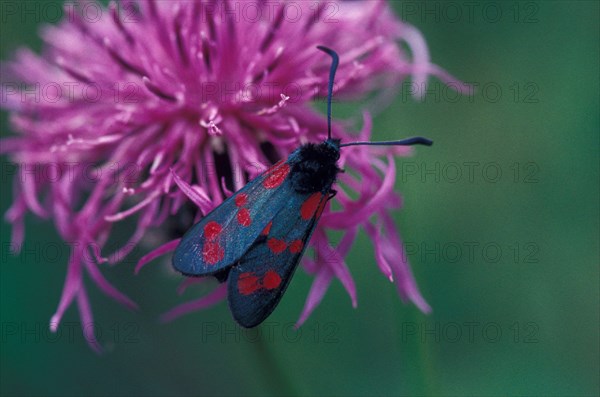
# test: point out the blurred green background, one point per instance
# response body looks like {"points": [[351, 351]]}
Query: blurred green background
{"points": [[509, 262]]}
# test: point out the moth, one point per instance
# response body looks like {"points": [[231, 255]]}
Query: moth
{"points": [[255, 239]]}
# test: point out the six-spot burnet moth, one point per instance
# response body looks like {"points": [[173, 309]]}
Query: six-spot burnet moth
{"points": [[255, 239]]}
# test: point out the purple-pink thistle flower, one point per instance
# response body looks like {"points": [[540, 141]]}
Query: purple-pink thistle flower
{"points": [[160, 109]]}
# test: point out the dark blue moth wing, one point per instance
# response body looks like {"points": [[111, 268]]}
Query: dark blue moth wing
{"points": [[257, 282], [225, 234]]}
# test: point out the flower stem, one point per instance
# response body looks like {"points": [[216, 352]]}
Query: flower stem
{"points": [[416, 354], [275, 378], [427, 360]]}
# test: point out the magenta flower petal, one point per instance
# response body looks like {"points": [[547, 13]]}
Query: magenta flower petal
{"points": [[87, 320], [317, 292], [30, 194], [331, 258], [160, 251], [393, 250], [71, 288], [14, 216], [323, 277], [217, 295], [384, 265], [183, 286], [420, 66], [124, 214], [195, 193], [106, 287]]}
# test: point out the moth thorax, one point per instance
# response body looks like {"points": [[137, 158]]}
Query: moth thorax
{"points": [[315, 167]]}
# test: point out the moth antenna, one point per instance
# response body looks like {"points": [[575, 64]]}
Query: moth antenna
{"points": [[334, 64], [404, 142]]}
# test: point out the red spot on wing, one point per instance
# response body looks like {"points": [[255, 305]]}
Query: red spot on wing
{"points": [[296, 246], [241, 199], [309, 207], [276, 175], [212, 252], [276, 246], [267, 229], [248, 283], [271, 280], [212, 230], [243, 217]]}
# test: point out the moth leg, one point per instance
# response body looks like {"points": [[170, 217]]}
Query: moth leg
{"points": [[222, 275], [332, 194]]}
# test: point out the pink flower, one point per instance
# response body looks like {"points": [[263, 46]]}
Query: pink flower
{"points": [[160, 109]]}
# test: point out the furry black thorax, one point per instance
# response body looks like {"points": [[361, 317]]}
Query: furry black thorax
{"points": [[314, 166]]}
